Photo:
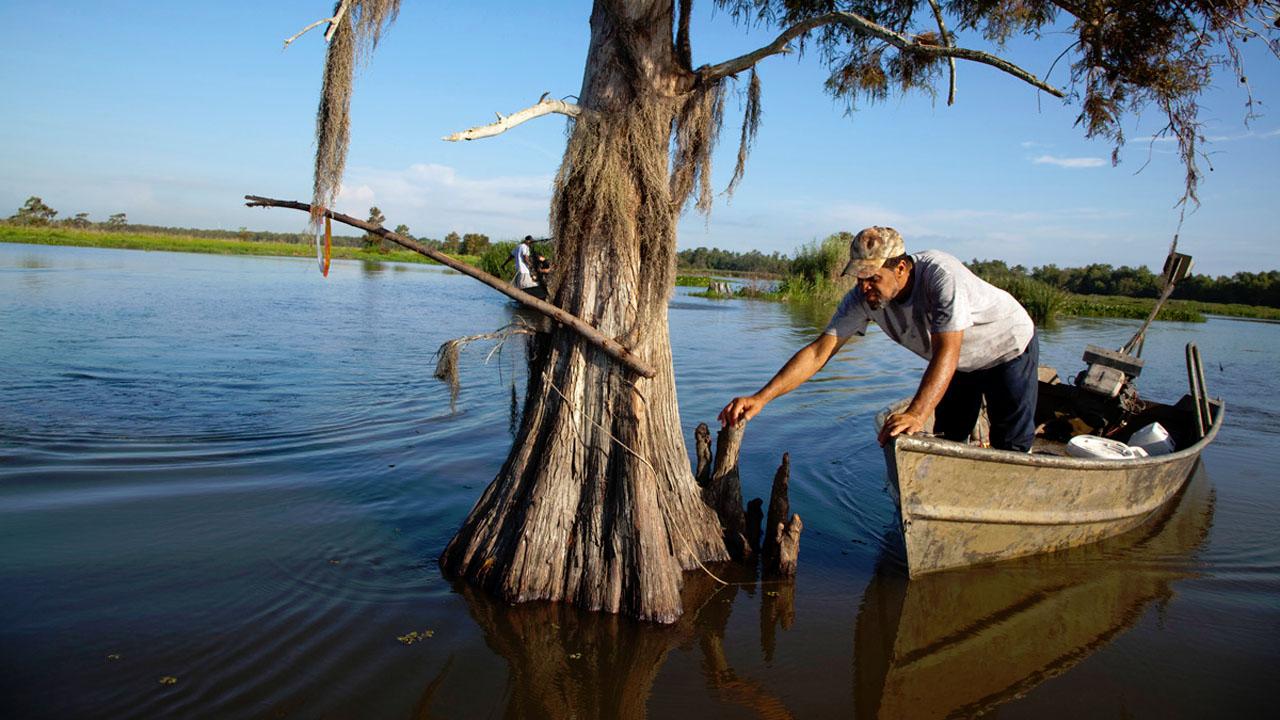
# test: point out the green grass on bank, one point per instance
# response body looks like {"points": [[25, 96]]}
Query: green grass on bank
{"points": [[181, 243], [702, 281]]}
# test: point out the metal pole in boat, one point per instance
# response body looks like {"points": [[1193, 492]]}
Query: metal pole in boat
{"points": [[1195, 389], [1205, 411], [1176, 267]]}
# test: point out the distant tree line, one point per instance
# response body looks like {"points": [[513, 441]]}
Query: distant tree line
{"points": [[716, 259], [811, 263], [36, 213], [1246, 288], [820, 261]]}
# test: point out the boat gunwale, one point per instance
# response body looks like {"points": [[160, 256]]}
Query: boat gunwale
{"points": [[952, 448]]}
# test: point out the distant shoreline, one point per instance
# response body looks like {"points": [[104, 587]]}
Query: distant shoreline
{"points": [[211, 246], [1082, 305], [1067, 305]]}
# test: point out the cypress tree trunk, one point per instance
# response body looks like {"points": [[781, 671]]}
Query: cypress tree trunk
{"points": [[596, 504]]}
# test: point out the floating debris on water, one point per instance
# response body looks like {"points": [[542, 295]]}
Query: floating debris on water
{"points": [[168, 680], [414, 636]]}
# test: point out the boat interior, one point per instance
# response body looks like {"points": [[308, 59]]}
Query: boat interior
{"points": [[1104, 404], [1064, 411]]}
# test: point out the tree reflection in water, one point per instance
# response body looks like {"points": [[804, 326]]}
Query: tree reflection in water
{"points": [[564, 662], [961, 642]]}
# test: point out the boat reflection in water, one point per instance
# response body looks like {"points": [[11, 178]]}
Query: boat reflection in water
{"points": [[960, 642]]}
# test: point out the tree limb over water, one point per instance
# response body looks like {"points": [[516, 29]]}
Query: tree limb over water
{"points": [[615, 349]]}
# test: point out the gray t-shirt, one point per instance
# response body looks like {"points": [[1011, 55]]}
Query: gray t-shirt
{"points": [[945, 297]]}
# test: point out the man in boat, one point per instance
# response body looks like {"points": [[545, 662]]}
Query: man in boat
{"points": [[522, 255], [979, 341]]}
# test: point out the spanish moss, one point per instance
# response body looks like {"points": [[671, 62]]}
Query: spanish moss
{"points": [[357, 34], [697, 128], [750, 126]]}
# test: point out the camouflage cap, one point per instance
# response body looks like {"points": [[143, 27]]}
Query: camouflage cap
{"points": [[870, 248]]}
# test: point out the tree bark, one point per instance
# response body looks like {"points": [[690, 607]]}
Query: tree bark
{"points": [[596, 504], [779, 506], [702, 439]]}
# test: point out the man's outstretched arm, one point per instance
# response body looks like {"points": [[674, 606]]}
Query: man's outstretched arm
{"points": [[807, 361]]}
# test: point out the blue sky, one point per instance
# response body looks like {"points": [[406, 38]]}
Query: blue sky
{"points": [[172, 111]]}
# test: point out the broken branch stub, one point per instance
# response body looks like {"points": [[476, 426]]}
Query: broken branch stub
{"points": [[779, 505], [723, 493], [787, 540], [782, 529]]}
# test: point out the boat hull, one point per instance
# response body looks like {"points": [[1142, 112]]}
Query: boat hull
{"points": [[964, 505]]}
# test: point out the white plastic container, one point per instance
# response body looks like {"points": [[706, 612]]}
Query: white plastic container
{"points": [[1154, 439], [1100, 448]]}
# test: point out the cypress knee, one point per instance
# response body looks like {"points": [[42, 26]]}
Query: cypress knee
{"points": [[702, 441], [723, 493], [782, 529]]}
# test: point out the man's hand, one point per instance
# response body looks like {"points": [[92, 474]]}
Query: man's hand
{"points": [[897, 424], [807, 361], [741, 409]]}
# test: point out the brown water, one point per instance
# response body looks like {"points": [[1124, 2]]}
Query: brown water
{"points": [[232, 472]]}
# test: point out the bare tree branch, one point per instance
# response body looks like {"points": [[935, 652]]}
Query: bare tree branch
{"points": [[946, 40], [857, 22], [333, 24], [304, 30], [588, 333], [544, 106]]}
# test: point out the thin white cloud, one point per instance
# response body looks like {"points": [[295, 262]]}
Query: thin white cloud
{"points": [[1076, 162], [1250, 135], [856, 216], [1033, 145], [435, 199]]}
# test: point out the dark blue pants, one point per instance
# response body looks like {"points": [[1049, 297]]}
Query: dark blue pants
{"points": [[1010, 389]]}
